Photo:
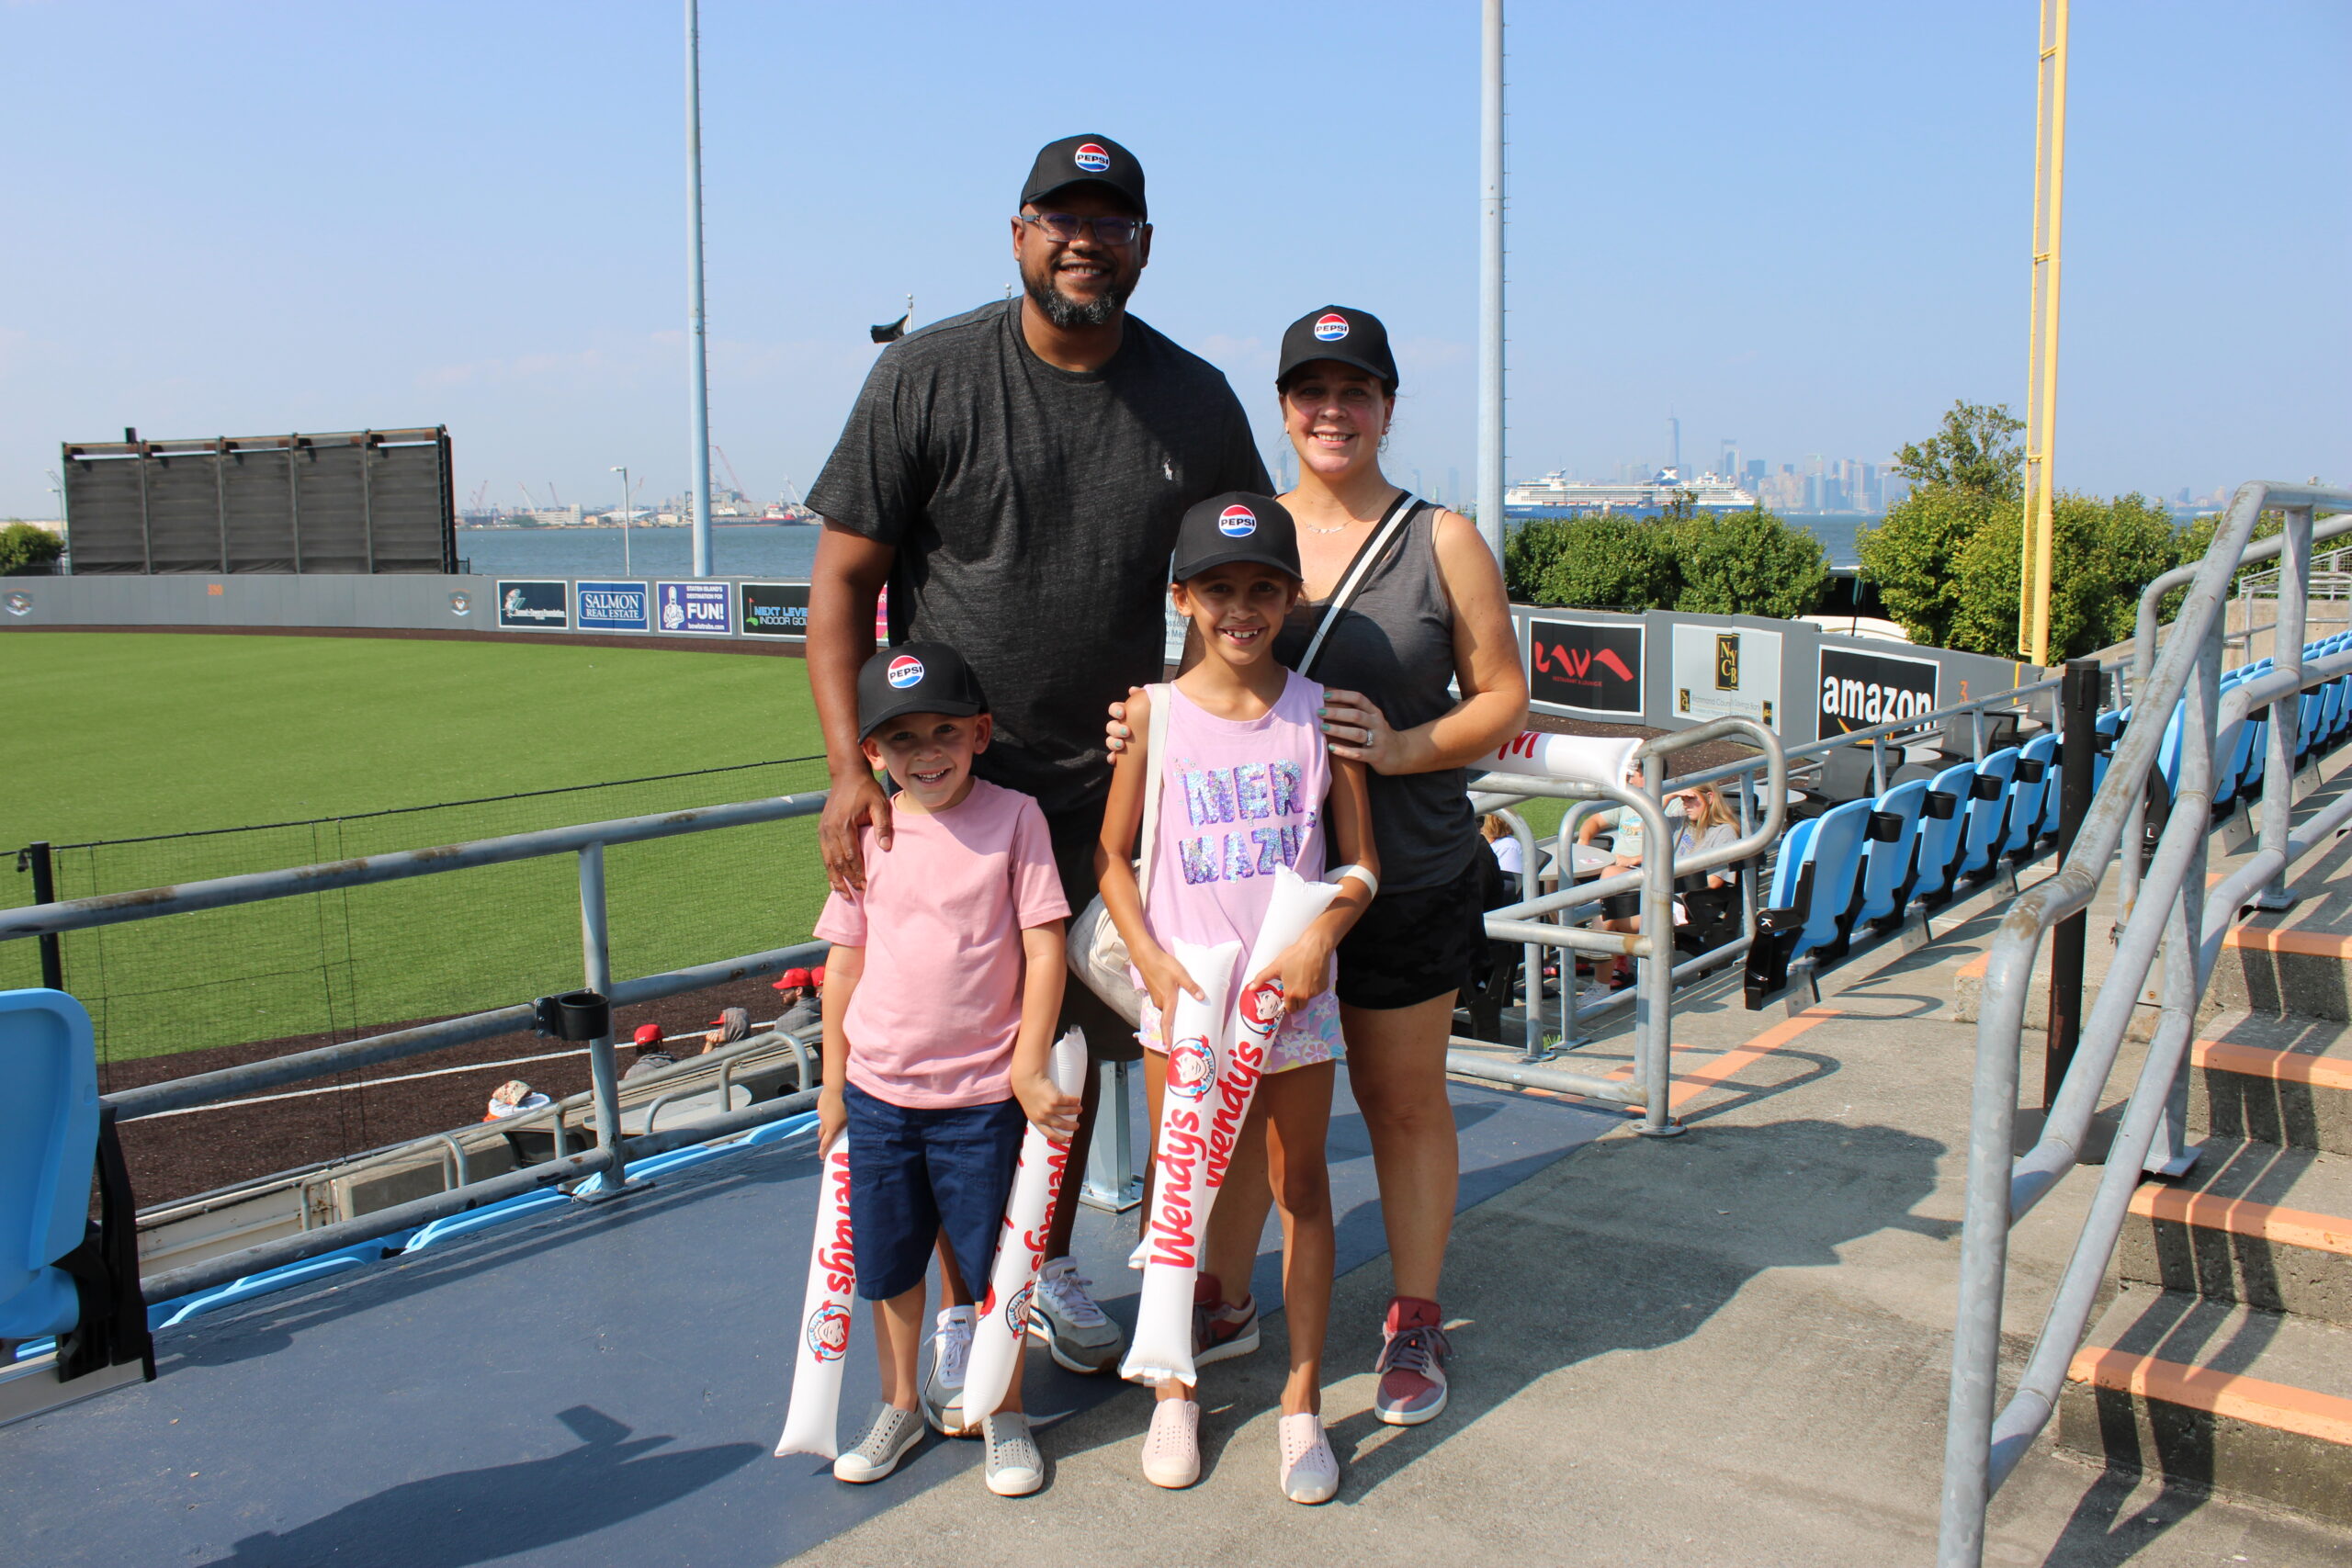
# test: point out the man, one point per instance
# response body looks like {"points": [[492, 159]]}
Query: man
{"points": [[1016, 475]]}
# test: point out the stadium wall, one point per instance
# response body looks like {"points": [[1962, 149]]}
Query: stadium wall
{"points": [[1661, 670]]}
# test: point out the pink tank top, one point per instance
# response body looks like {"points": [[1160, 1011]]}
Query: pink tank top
{"points": [[1237, 800]]}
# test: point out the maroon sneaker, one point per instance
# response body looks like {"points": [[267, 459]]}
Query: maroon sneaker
{"points": [[1221, 1331], [1411, 1364]]}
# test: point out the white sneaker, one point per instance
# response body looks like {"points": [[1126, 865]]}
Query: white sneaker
{"points": [[1171, 1449], [942, 1391], [1015, 1467], [1079, 1336], [1310, 1470], [888, 1435], [1140, 1256]]}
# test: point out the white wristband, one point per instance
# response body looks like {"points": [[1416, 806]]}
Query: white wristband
{"points": [[1362, 874]]}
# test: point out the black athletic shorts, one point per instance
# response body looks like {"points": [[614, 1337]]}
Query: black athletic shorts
{"points": [[1409, 947]]}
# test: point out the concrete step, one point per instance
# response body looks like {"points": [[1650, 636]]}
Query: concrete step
{"points": [[2252, 1223], [1968, 987], [2273, 1079], [2208, 1395], [2267, 968]]}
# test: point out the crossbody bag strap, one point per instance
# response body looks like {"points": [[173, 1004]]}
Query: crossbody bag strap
{"points": [[1156, 760], [1400, 512]]}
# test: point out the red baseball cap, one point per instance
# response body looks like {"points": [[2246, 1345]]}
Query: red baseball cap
{"points": [[649, 1034], [795, 977], [817, 975]]}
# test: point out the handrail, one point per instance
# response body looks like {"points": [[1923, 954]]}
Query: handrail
{"points": [[1652, 945], [2169, 910]]}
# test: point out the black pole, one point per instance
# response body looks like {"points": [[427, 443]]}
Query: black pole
{"points": [[53, 955], [2079, 697]]}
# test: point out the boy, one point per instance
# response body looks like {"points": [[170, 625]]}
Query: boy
{"points": [[946, 973]]}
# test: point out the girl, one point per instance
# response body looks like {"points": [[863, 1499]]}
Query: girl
{"points": [[1706, 822], [1247, 785]]}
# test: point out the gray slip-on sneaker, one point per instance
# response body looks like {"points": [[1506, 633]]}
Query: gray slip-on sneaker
{"points": [[1015, 1467], [889, 1436]]}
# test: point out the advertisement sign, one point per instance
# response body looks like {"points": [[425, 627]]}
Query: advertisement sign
{"points": [[1862, 690], [534, 605], [1595, 666], [707, 608], [776, 609], [610, 607], [1726, 672]]}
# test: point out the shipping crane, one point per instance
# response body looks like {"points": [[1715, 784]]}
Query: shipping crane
{"points": [[741, 493]]}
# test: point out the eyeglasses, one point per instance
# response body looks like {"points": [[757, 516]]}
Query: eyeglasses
{"points": [[1064, 227]]}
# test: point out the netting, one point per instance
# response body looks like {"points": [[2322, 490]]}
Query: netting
{"points": [[333, 966]]}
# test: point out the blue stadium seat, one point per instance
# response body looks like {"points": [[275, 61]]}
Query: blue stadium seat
{"points": [[49, 1143], [1988, 813], [1890, 852], [2036, 781], [1942, 820], [1813, 899], [62, 1274]]}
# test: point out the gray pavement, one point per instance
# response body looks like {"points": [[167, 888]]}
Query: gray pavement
{"points": [[1730, 1347]]}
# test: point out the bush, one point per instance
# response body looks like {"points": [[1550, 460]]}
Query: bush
{"points": [[1747, 563], [28, 551], [1592, 563]]}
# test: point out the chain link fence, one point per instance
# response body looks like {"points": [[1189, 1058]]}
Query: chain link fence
{"points": [[338, 965]]}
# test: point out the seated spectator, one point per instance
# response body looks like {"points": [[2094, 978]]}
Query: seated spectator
{"points": [[803, 1013], [652, 1053], [731, 1025], [1705, 823], [1503, 841], [513, 1097]]}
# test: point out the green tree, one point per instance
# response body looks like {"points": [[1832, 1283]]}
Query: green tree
{"points": [[1975, 451], [1914, 557], [2102, 554], [1591, 563], [28, 551], [1746, 563]]}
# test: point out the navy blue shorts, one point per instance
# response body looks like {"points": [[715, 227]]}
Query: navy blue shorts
{"points": [[916, 1172]]}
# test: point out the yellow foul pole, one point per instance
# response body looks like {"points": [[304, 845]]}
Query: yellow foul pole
{"points": [[2041, 371]]}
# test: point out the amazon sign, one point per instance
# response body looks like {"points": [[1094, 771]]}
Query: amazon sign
{"points": [[1592, 665]]}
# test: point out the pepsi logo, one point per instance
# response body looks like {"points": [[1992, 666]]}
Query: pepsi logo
{"points": [[828, 1331], [904, 672], [1090, 158], [1330, 327], [1190, 1068], [1236, 521]]}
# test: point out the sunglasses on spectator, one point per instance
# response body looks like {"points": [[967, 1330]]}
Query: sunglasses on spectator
{"points": [[1065, 226]]}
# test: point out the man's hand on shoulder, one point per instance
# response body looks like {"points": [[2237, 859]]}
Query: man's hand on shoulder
{"points": [[855, 800]]}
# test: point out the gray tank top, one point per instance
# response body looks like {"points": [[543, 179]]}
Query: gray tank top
{"points": [[1394, 644]]}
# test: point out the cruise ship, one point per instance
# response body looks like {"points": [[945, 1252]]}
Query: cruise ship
{"points": [[1556, 494]]}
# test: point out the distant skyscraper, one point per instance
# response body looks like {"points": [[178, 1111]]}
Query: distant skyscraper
{"points": [[1453, 489]]}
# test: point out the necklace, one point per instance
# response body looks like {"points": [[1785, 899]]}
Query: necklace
{"points": [[1335, 528]]}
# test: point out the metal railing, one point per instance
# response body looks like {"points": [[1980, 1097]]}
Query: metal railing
{"points": [[1652, 947], [2168, 908], [613, 1152]]}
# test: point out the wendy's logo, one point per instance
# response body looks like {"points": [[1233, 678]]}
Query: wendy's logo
{"points": [[828, 1331]]}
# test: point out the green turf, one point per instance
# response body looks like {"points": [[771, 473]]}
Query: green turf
{"points": [[116, 736]]}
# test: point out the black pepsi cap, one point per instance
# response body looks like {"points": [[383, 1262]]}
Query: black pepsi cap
{"points": [[1085, 160], [1235, 526], [915, 677], [1338, 331]]}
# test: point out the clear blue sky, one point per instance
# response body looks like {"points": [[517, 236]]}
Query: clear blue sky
{"points": [[1803, 226]]}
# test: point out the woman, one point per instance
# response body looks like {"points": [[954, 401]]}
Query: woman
{"points": [[1431, 613], [1700, 820]]}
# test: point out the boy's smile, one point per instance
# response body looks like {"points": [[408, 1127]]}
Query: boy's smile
{"points": [[930, 755]]}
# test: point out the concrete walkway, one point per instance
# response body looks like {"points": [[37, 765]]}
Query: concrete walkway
{"points": [[1730, 1347]]}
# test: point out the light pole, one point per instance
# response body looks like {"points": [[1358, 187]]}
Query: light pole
{"points": [[622, 469]]}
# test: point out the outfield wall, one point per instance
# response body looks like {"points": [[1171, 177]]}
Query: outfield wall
{"points": [[1661, 670]]}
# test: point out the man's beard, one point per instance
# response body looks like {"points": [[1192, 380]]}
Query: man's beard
{"points": [[1068, 314]]}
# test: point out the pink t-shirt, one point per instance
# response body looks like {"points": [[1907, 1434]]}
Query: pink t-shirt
{"points": [[934, 1018]]}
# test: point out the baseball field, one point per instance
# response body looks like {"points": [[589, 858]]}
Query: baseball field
{"points": [[323, 748]]}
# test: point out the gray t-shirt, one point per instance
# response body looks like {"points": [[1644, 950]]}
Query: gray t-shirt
{"points": [[1033, 510]]}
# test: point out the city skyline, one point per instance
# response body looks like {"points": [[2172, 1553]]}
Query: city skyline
{"points": [[1823, 227]]}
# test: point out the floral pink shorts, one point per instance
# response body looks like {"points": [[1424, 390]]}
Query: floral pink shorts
{"points": [[1307, 1036]]}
